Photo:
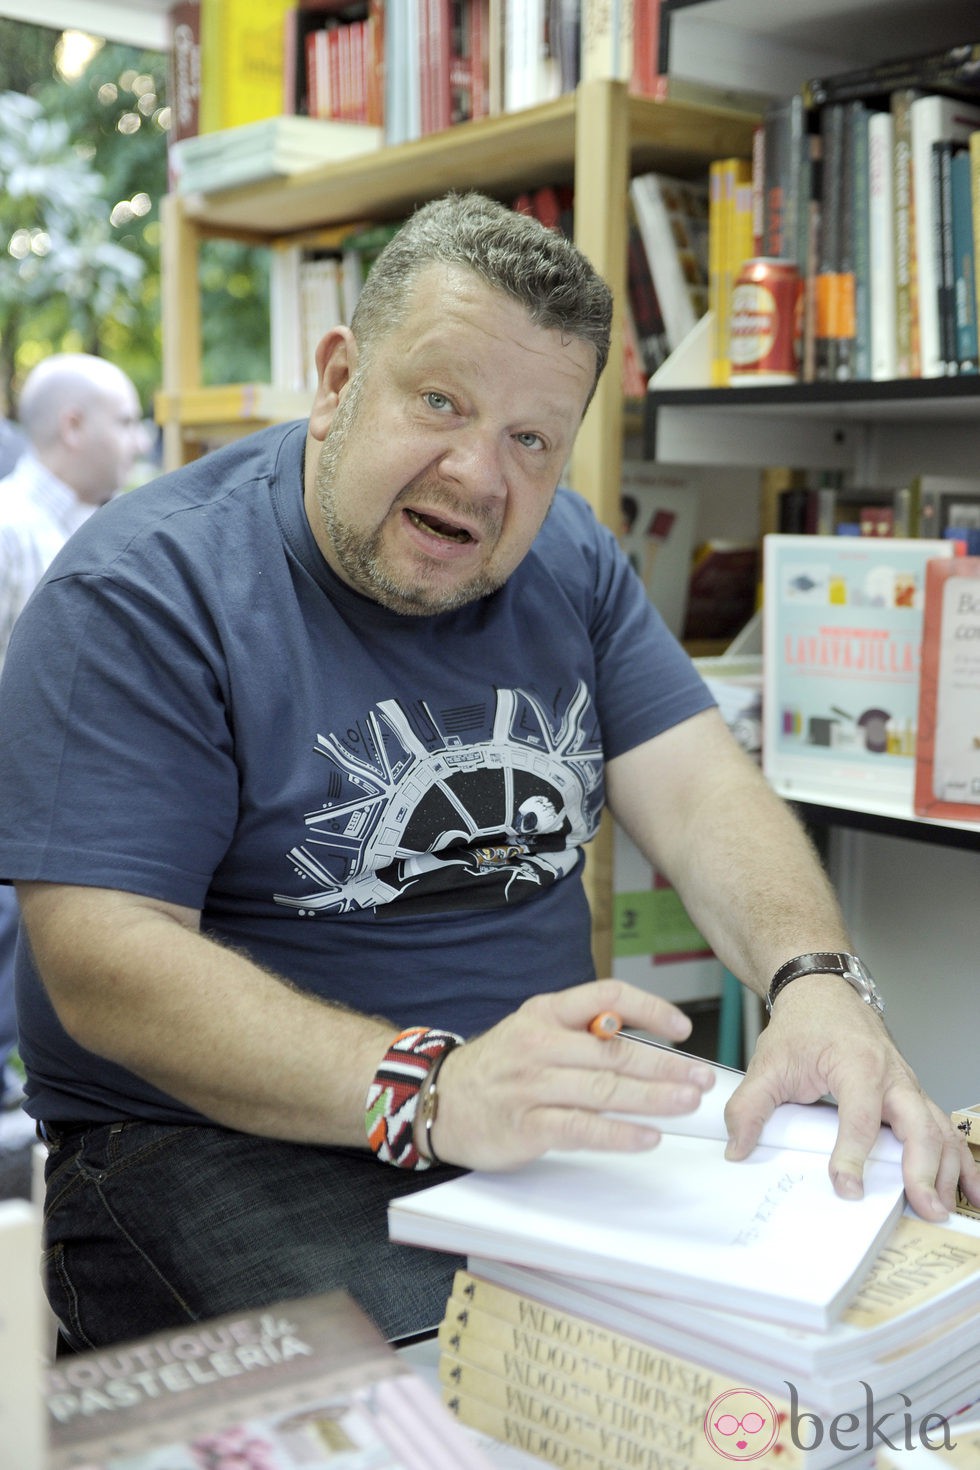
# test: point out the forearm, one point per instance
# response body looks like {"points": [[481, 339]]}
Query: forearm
{"points": [[742, 864], [136, 982]]}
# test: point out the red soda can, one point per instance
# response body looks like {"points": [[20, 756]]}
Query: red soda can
{"points": [[766, 322]]}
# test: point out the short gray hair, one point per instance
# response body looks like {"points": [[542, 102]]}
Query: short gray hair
{"points": [[542, 270]]}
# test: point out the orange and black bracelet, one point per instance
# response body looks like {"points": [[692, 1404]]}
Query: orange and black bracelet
{"points": [[393, 1097]]}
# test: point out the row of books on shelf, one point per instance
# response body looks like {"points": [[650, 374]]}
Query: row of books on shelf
{"points": [[871, 687], [405, 67], [871, 674], [610, 1314], [667, 263], [927, 506], [867, 182]]}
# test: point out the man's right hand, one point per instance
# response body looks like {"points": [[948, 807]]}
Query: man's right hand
{"points": [[540, 1080]]}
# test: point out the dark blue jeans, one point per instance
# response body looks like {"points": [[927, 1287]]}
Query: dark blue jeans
{"points": [[151, 1226]]}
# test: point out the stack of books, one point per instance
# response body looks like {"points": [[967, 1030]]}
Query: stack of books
{"points": [[273, 148], [668, 1309]]}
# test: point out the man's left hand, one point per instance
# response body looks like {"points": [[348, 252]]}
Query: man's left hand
{"points": [[813, 1048]]}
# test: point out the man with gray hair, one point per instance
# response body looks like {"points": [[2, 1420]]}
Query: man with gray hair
{"points": [[302, 747], [81, 419]]}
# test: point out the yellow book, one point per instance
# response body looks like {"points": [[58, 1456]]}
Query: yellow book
{"points": [[242, 50], [738, 242], [717, 255]]}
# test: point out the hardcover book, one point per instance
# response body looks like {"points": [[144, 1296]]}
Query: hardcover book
{"points": [[947, 766], [672, 215], [842, 626]]}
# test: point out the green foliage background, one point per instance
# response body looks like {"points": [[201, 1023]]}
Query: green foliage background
{"points": [[83, 167]]}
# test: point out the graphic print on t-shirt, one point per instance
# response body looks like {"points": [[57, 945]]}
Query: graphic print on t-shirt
{"points": [[476, 806]]}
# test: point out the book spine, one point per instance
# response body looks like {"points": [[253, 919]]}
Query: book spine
{"points": [[588, 1420], [609, 1362], [906, 346], [846, 324], [646, 46], [185, 70], [471, 1292], [964, 263], [647, 315], [881, 232], [212, 40], [531, 1439], [944, 263], [251, 61], [784, 128], [955, 66], [758, 190], [862, 259], [565, 32], [924, 131], [510, 1320], [738, 241], [828, 280], [607, 39], [718, 219]]}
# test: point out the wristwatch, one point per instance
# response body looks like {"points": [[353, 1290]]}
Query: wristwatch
{"points": [[848, 966]]}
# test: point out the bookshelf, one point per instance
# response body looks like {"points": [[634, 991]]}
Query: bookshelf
{"points": [[908, 886], [595, 138]]}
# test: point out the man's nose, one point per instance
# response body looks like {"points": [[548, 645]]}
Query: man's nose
{"points": [[474, 460]]}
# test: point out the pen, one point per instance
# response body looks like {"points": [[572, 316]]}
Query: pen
{"points": [[605, 1025]]}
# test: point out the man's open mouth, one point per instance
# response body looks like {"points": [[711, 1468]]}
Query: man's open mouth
{"points": [[437, 527]]}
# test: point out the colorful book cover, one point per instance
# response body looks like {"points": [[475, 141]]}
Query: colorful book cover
{"points": [[842, 628], [947, 767], [306, 1383]]}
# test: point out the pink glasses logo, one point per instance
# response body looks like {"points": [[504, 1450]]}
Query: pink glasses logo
{"points": [[741, 1424]]}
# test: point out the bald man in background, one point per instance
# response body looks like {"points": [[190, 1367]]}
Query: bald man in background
{"points": [[82, 422]]}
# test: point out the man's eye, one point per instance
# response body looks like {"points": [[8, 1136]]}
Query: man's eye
{"points": [[437, 400], [530, 440]]}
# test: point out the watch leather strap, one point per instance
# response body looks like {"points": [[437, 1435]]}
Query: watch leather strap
{"points": [[826, 962]]}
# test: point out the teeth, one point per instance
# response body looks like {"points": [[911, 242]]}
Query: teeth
{"points": [[437, 529]]}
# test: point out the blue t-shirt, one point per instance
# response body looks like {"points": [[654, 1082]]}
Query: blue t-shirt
{"points": [[388, 811]]}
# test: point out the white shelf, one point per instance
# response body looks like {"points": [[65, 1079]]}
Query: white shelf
{"points": [[774, 46], [885, 816], [142, 23]]}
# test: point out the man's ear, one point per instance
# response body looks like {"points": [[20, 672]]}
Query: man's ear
{"points": [[71, 422], [336, 361]]}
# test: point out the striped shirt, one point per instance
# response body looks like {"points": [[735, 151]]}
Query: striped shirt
{"points": [[38, 512]]}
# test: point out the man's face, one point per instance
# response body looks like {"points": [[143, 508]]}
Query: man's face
{"points": [[438, 460], [110, 438]]}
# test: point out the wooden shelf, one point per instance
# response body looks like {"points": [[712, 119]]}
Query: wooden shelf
{"points": [[499, 155], [248, 404]]}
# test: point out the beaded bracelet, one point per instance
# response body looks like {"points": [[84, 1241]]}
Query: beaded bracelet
{"points": [[393, 1097]]}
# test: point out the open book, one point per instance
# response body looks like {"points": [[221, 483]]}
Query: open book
{"points": [[767, 1237]]}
